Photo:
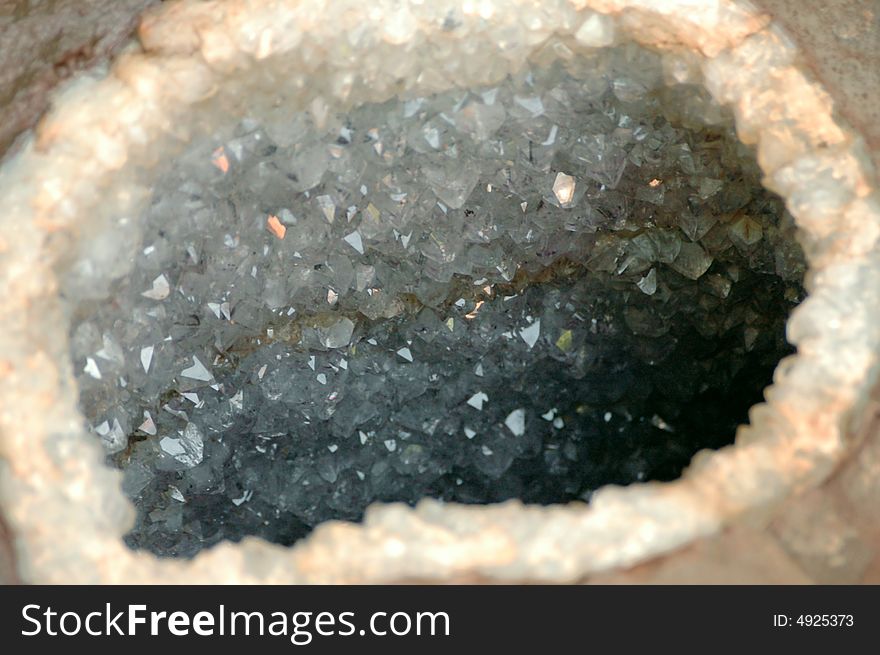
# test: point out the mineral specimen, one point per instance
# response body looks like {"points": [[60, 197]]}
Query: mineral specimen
{"points": [[526, 291]]}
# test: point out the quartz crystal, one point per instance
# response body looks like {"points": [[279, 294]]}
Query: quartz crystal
{"points": [[522, 291]]}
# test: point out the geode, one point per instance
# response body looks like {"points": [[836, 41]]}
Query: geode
{"points": [[529, 291], [660, 234]]}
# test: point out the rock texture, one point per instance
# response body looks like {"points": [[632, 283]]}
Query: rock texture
{"points": [[43, 43], [52, 481]]}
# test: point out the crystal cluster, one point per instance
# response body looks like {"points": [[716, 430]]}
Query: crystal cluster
{"points": [[523, 291]]}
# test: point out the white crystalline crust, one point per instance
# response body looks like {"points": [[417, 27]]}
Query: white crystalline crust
{"points": [[200, 65]]}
